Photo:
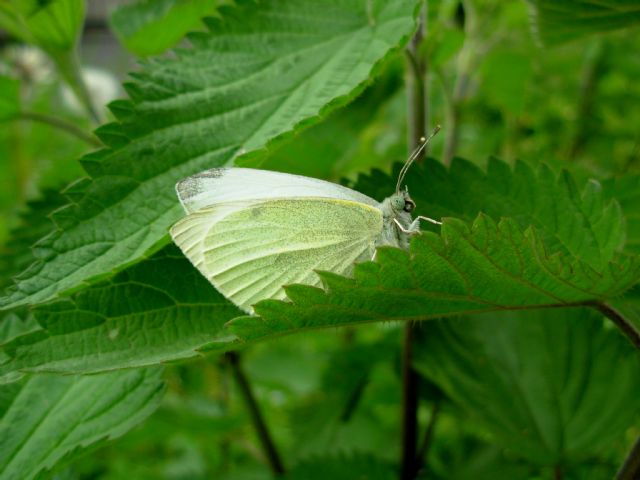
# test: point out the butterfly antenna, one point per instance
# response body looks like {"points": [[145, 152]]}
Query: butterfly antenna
{"points": [[416, 153]]}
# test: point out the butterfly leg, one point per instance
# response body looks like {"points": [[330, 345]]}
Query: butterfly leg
{"points": [[414, 228]]}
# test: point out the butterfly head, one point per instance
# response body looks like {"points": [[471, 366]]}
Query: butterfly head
{"points": [[401, 202]]}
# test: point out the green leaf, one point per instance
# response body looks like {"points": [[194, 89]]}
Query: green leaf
{"points": [[48, 418], [558, 248], [626, 190], [158, 311], [541, 382], [53, 25], [560, 21], [149, 27], [254, 76], [471, 267], [9, 98]]}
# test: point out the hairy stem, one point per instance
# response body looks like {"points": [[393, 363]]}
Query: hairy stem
{"points": [[630, 469], [269, 447], [62, 125], [622, 323]]}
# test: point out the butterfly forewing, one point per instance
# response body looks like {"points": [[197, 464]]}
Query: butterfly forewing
{"points": [[249, 250]]}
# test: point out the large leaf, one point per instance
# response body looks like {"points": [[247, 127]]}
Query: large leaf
{"points": [[158, 311], [46, 418], [557, 246], [149, 27], [541, 382], [559, 21], [256, 75], [164, 310]]}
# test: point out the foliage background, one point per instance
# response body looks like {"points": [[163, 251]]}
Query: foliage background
{"points": [[518, 394]]}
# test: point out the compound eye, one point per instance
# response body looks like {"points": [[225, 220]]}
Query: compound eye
{"points": [[409, 206]]}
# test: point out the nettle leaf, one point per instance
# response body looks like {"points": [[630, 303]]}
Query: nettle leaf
{"points": [[262, 71], [541, 382], [158, 311], [559, 247], [557, 22], [483, 265], [149, 27], [626, 191], [48, 418]]}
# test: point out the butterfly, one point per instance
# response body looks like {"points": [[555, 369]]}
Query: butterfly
{"points": [[251, 232]]}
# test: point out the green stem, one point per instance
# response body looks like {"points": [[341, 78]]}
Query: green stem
{"points": [[69, 68], [630, 469], [60, 124], [259, 424]]}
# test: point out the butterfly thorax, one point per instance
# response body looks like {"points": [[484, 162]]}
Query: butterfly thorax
{"points": [[396, 209]]}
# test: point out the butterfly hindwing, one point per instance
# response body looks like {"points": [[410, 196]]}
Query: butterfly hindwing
{"points": [[249, 250]]}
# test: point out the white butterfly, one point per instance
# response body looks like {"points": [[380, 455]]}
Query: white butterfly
{"points": [[250, 232]]}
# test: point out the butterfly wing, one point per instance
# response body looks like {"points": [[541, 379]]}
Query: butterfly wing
{"points": [[221, 185], [249, 250]]}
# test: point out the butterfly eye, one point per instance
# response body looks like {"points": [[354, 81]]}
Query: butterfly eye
{"points": [[409, 206]]}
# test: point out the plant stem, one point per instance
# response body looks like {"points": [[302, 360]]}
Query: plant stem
{"points": [[417, 123], [409, 467], [69, 68], [622, 323], [423, 452], [594, 66], [259, 424], [630, 469], [60, 124]]}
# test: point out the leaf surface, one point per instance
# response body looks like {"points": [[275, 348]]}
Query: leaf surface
{"points": [[149, 27], [557, 22], [257, 74], [541, 382], [46, 418], [158, 311]]}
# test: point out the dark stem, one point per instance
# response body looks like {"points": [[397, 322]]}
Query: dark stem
{"points": [[622, 323], [423, 452], [557, 473], [409, 467], [417, 123], [630, 469], [60, 124], [256, 415]]}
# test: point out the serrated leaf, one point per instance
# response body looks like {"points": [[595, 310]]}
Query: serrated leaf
{"points": [[482, 266], [469, 269], [626, 191], [47, 418], [560, 21], [149, 27], [256, 75], [159, 311], [541, 382]]}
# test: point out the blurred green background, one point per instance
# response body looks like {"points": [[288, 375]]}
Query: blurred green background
{"points": [[496, 90]]}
